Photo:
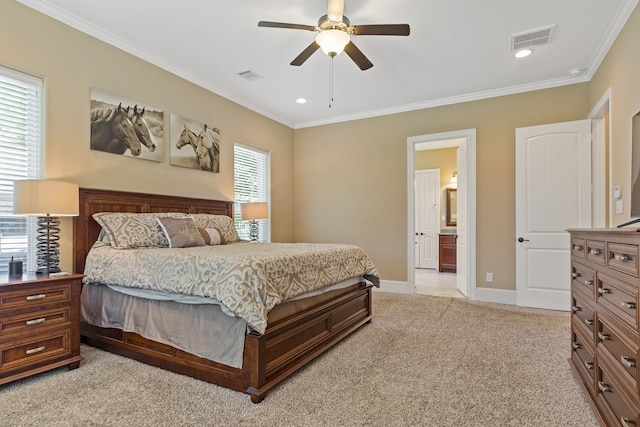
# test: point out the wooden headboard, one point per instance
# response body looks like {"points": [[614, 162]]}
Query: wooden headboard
{"points": [[86, 229]]}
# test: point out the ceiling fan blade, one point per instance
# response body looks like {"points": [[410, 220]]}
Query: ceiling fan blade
{"points": [[285, 25], [357, 56], [335, 10], [305, 54], [380, 30]]}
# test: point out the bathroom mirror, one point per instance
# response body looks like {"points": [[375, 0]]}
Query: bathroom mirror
{"points": [[452, 206]]}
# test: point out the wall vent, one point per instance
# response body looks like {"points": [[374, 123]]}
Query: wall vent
{"points": [[536, 37], [249, 75]]}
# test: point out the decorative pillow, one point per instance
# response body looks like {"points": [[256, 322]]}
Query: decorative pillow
{"points": [[181, 232], [134, 230], [224, 224], [211, 236]]}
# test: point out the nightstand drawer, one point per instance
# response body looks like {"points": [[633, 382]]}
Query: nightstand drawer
{"points": [[34, 349], [32, 322], [35, 296]]}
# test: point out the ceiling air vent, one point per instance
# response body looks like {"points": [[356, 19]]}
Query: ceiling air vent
{"points": [[249, 75], [536, 37]]}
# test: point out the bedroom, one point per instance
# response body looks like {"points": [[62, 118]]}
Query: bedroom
{"points": [[303, 197]]}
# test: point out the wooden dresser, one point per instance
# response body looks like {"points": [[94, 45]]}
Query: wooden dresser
{"points": [[605, 340], [39, 324], [447, 253]]}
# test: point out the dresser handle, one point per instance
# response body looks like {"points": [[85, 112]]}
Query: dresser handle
{"points": [[626, 422], [629, 363], [35, 321], [588, 365], [588, 322], [603, 387], [603, 291], [595, 252], [603, 337], [629, 305], [588, 282], [623, 258], [576, 345], [576, 308], [35, 297], [577, 247], [35, 350]]}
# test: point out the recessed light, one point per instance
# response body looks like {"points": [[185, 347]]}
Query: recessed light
{"points": [[301, 101], [522, 53]]}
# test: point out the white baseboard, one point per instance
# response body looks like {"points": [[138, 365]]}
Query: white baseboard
{"points": [[394, 287], [500, 296]]}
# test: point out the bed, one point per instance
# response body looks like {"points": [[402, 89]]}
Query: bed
{"points": [[296, 333]]}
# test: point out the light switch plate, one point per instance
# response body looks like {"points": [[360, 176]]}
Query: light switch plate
{"points": [[617, 192], [619, 206]]}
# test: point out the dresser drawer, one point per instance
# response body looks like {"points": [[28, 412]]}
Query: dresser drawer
{"points": [[623, 258], [34, 349], [35, 296], [583, 356], [578, 248], [621, 348], [583, 312], [618, 297], [583, 278], [34, 321], [595, 252], [619, 407]]}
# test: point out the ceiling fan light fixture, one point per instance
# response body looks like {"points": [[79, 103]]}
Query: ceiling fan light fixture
{"points": [[332, 42]]}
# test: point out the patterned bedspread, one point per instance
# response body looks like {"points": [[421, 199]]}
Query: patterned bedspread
{"points": [[248, 278]]}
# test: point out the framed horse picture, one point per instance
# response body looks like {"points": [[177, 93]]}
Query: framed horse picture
{"points": [[125, 127], [194, 145]]}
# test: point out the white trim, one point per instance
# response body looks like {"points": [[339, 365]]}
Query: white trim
{"points": [[500, 296], [601, 109], [469, 137], [395, 287]]}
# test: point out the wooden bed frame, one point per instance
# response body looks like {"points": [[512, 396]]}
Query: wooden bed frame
{"points": [[269, 358]]}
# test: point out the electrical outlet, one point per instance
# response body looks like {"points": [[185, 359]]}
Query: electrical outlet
{"points": [[489, 277]]}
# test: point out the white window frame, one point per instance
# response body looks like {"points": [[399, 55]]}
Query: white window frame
{"points": [[262, 193], [19, 123]]}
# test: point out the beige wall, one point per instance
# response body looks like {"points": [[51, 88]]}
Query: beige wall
{"points": [[620, 73], [445, 160], [71, 63]]}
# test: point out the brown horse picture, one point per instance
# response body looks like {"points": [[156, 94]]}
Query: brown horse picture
{"points": [[194, 145]]}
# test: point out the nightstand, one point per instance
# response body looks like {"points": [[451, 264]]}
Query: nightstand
{"points": [[39, 324]]}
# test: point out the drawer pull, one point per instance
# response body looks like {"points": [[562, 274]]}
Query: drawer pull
{"points": [[36, 297], [589, 322], [35, 321], [629, 305], [603, 387], [588, 365], [577, 247], [576, 308], [575, 275], [595, 252], [603, 291], [629, 363], [623, 257], [603, 337], [35, 350], [576, 345], [588, 282], [626, 422]]}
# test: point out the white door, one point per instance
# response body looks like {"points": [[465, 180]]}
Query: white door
{"points": [[462, 221], [427, 217], [553, 193]]}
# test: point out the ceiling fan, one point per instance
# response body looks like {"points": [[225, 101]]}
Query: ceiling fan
{"points": [[334, 34]]}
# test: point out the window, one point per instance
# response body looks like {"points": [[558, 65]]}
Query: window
{"points": [[20, 142], [251, 184]]}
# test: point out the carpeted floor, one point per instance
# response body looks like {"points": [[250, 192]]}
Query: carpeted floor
{"points": [[423, 361]]}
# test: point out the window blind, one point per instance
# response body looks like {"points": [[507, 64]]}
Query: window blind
{"points": [[20, 142], [251, 184]]}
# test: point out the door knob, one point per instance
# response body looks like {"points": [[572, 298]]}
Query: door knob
{"points": [[520, 239]]}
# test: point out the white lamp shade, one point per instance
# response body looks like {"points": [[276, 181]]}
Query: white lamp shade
{"points": [[254, 211], [332, 42], [34, 197]]}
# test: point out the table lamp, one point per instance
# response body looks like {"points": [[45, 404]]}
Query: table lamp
{"points": [[47, 200], [253, 212]]}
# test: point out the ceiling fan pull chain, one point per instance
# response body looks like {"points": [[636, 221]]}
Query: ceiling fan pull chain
{"points": [[331, 82]]}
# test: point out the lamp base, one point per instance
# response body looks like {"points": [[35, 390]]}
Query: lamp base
{"points": [[48, 254], [253, 231]]}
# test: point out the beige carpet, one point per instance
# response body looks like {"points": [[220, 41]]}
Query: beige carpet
{"points": [[423, 361]]}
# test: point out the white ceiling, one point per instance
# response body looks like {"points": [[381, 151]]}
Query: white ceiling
{"points": [[457, 51]]}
